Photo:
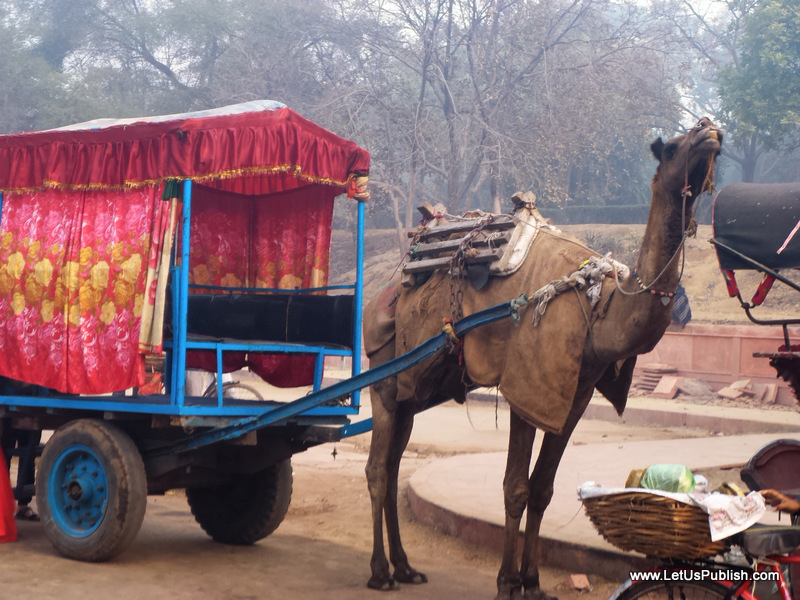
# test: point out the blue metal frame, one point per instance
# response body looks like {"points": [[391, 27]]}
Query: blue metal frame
{"points": [[286, 412], [175, 402]]}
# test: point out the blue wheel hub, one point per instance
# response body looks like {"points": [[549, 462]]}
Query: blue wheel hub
{"points": [[78, 491]]}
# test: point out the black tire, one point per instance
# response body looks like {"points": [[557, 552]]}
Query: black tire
{"points": [[91, 490], [247, 510], [674, 590]]}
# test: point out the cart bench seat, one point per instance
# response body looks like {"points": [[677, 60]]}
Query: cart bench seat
{"points": [[286, 318]]}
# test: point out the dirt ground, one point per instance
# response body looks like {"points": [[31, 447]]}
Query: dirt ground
{"points": [[323, 547]]}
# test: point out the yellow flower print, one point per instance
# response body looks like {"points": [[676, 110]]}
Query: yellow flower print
{"points": [[86, 298], [230, 280], [60, 296], [71, 275], [47, 310], [85, 256], [6, 280], [108, 312], [318, 278], [116, 252], [44, 271], [213, 264], [201, 275], [34, 249], [18, 303], [74, 318], [98, 275], [33, 289], [131, 268], [290, 282], [138, 304], [7, 240], [16, 264], [270, 273], [123, 292]]}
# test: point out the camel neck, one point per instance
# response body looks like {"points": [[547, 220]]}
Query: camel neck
{"points": [[658, 265]]}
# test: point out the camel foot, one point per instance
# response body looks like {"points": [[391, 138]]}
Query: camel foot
{"points": [[383, 583], [405, 574], [515, 594], [509, 593], [537, 594]]}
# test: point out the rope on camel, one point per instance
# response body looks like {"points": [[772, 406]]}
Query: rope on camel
{"points": [[590, 277]]}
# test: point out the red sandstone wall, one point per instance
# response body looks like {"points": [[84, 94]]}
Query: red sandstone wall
{"points": [[722, 354]]}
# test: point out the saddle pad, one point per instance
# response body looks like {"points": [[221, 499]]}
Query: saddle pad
{"points": [[528, 223]]}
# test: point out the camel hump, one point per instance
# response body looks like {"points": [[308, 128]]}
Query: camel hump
{"points": [[379, 318]]}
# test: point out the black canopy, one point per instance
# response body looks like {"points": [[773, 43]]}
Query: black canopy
{"points": [[756, 220]]}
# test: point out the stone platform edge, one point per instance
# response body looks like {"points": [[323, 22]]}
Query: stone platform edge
{"points": [[559, 554]]}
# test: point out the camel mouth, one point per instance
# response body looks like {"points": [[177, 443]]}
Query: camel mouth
{"points": [[709, 136]]}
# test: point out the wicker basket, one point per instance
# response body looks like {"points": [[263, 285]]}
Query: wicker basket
{"points": [[653, 525]]}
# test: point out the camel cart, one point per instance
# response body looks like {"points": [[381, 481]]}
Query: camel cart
{"points": [[757, 227], [133, 250]]}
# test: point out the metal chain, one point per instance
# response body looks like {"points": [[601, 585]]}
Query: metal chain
{"points": [[458, 268]]}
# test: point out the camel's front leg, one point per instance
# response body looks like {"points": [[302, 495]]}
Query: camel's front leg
{"points": [[541, 492], [404, 422], [515, 493]]}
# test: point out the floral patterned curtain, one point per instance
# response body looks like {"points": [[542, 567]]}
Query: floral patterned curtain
{"points": [[279, 240], [73, 286]]}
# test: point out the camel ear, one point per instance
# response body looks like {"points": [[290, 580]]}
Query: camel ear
{"points": [[656, 148]]}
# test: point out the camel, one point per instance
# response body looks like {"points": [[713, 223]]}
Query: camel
{"points": [[547, 372]]}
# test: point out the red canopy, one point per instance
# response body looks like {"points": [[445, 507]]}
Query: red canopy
{"points": [[255, 138]]}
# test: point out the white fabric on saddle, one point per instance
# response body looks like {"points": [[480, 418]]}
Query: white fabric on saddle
{"points": [[528, 223]]}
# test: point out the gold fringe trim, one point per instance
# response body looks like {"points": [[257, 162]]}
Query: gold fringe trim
{"points": [[295, 170]]}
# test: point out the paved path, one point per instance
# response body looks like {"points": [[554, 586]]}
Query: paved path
{"points": [[462, 494]]}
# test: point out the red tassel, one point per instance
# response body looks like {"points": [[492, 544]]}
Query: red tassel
{"points": [[730, 282], [763, 289]]}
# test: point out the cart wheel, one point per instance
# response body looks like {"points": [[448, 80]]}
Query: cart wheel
{"points": [[91, 490], [234, 389], [246, 510]]}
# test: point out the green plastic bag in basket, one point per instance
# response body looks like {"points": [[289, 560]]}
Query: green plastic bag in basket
{"points": [[668, 478]]}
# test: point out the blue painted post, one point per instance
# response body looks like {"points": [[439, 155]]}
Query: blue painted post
{"points": [[358, 299], [220, 401], [319, 367], [179, 315]]}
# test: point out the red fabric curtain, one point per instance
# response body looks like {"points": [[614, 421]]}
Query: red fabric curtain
{"points": [[72, 286], [8, 526], [285, 244]]}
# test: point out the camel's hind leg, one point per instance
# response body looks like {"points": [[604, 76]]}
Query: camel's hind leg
{"points": [[391, 430], [404, 422]]}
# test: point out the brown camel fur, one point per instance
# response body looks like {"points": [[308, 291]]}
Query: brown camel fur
{"points": [[547, 372]]}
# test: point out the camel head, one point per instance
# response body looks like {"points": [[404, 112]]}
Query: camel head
{"points": [[687, 160]]}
